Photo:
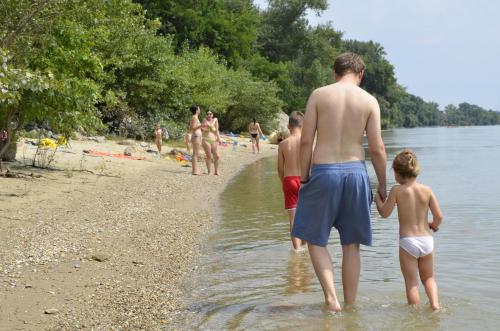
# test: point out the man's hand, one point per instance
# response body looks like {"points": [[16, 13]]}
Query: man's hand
{"points": [[382, 192]]}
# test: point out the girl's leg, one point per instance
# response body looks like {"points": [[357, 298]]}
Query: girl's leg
{"points": [[208, 156], [194, 158], [257, 144], [158, 145], [253, 145], [216, 157], [426, 270], [409, 268]]}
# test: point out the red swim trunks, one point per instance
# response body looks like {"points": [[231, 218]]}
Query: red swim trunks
{"points": [[291, 186]]}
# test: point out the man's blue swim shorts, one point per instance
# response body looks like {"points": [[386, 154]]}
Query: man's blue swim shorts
{"points": [[336, 195]]}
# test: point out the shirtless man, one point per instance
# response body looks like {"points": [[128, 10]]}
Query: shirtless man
{"points": [[289, 169], [335, 190]]}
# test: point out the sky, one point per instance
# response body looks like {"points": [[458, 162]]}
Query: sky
{"points": [[446, 51]]}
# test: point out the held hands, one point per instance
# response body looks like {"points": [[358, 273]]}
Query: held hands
{"points": [[381, 193]]}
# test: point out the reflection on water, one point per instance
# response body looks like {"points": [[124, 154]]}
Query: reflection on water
{"points": [[249, 278]]}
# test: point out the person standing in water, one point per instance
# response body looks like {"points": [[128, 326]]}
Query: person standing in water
{"points": [[289, 169], [335, 188], [255, 133], [210, 141], [195, 127], [416, 244]]}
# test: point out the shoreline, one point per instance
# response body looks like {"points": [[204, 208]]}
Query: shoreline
{"points": [[106, 252]]}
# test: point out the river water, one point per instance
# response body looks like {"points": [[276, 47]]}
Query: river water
{"points": [[249, 279]]}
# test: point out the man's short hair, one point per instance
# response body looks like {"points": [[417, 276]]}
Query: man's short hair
{"points": [[296, 119], [348, 63]]}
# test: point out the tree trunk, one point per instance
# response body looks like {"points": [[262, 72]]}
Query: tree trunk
{"points": [[10, 152]]}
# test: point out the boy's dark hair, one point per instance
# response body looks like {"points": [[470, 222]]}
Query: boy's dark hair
{"points": [[348, 63], [194, 108], [406, 164], [296, 119]]}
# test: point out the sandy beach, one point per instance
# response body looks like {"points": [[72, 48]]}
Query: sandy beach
{"points": [[104, 243]]}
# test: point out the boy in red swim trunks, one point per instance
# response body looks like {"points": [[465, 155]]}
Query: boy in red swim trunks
{"points": [[289, 169]]}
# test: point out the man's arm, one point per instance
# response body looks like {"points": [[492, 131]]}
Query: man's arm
{"points": [[281, 163], [307, 137], [377, 149]]}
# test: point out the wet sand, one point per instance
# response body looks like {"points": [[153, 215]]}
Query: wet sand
{"points": [[106, 250]]}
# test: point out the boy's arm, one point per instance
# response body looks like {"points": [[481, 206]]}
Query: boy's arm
{"points": [[281, 163], [385, 208], [437, 215]]}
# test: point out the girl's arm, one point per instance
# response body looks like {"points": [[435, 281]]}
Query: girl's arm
{"points": [[260, 131], [385, 208], [437, 215]]}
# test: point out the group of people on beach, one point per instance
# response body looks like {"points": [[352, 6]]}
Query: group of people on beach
{"points": [[325, 184], [206, 134]]}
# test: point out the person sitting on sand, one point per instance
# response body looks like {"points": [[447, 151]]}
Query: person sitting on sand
{"points": [[289, 170], [255, 133], [158, 137], [416, 244], [210, 142]]}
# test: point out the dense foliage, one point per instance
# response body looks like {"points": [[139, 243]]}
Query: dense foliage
{"points": [[121, 66]]}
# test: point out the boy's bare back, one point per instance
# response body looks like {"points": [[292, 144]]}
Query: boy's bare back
{"points": [[413, 201], [289, 150]]}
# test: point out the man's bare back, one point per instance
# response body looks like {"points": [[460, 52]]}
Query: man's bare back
{"points": [[337, 116], [343, 110]]}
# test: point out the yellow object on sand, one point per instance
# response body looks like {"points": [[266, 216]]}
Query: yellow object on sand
{"points": [[48, 143]]}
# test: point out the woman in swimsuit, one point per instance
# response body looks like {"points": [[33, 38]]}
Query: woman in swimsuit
{"points": [[210, 141], [255, 132], [195, 127]]}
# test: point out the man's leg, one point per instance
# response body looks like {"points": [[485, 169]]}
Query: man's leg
{"points": [[351, 265], [323, 267]]}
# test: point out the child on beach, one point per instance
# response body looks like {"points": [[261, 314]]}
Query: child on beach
{"points": [[416, 244], [158, 137], [289, 170]]}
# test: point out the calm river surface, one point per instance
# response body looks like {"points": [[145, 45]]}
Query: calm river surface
{"points": [[249, 279]]}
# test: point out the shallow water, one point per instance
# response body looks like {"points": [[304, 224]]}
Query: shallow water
{"points": [[249, 279]]}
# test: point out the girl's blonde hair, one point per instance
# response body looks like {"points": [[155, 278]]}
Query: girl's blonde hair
{"points": [[406, 164]]}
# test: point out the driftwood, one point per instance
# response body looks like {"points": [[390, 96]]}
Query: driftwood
{"points": [[17, 174]]}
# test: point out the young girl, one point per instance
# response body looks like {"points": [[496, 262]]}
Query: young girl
{"points": [[416, 244]]}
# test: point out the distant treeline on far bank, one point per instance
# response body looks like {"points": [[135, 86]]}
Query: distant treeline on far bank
{"points": [[120, 66]]}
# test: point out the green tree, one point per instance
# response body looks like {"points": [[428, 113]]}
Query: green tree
{"points": [[228, 27]]}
